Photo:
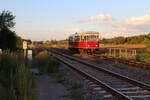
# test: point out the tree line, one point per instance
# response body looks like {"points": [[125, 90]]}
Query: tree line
{"points": [[140, 39]]}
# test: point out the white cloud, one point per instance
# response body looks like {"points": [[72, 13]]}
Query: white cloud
{"points": [[127, 27], [101, 17], [108, 28], [136, 21], [138, 24]]}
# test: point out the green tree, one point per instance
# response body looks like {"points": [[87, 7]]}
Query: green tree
{"points": [[147, 42], [6, 20], [19, 42], [8, 38]]}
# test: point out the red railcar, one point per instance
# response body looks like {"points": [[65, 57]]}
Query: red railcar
{"points": [[84, 42]]}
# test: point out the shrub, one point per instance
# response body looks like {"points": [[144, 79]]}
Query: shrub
{"points": [[143, 57], [45, 63]]}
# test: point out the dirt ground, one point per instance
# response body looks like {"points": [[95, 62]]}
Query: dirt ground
{"points": [[49, 89]]}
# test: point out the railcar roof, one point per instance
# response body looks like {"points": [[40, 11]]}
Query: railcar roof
{"points": [[84, 33], [88, 32]]}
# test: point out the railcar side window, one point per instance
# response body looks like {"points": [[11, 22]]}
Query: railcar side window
{"points": [[84, 38]]}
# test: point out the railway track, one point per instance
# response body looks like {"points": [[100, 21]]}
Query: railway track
{"points": [[136, 64], [121, 87], [132, 63]]}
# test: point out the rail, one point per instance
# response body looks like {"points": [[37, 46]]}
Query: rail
{"points": [[114, 92], [141, 65]]}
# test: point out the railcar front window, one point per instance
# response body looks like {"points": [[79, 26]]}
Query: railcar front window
{"points": [[92, 38]]}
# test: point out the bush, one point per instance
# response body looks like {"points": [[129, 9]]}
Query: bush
{"points": [[143, 57], [45, 63]]}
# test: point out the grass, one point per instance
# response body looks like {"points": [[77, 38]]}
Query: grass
{"points": [[124, 45], [76, 94], [57, 76], [76, 85], [143, 57], [46, 64], [16, 81], [76, 91]]}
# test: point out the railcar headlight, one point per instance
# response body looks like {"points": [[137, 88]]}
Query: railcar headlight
{"points": [[88, 45], [96, 45]]}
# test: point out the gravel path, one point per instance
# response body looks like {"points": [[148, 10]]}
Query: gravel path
{"points": [[49, 89]]}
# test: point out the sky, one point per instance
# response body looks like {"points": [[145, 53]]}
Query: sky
{"points": [[41, 20]]}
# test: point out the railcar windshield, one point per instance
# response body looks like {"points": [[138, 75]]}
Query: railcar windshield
{"points": [[92, 38]]}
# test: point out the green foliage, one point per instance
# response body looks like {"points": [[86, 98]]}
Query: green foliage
{"points": [[16, 81], [8, 66], [24, 83], [119, 40], [19, 42], [76, 94], [143, 57], [76, 85], [147, 42], [8, 38], [45, 63], [76, 91], [52, 42], [6, 20], [126, 40]]}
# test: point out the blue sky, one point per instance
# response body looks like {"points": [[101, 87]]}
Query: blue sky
{"points": [[56, 19]]}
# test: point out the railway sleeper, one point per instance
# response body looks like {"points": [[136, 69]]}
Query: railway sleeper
{"points": [[132, 94], [135, 93], [121, 86], [139, 97], [98, 90], [126, 89]]}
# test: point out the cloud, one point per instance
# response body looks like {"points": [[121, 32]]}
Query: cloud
{"points": [[132, 25], [136, 21], [126, 27], [101, 17]]}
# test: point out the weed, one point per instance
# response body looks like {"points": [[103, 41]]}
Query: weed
{"points": [[76, 85], [16, 81], [45, 63], [143, 57], [75, 94]]}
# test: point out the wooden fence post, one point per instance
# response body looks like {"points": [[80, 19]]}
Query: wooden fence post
{"points": [[114, 52], [126, 53], [120, 52]]}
